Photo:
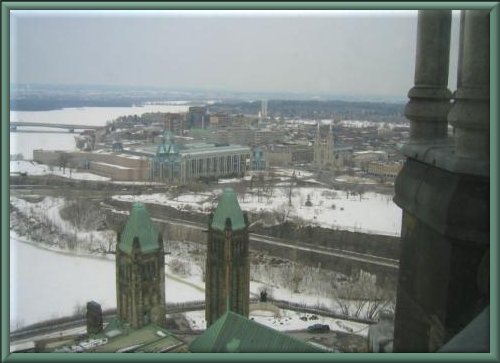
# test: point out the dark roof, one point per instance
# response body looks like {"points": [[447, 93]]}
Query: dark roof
{"points": [[150, 338], [228, 207], [233, 333], [140, 226]]}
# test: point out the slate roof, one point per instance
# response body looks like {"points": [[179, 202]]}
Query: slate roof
{"points": [[228, 207], [233, 333], [139, 225]]}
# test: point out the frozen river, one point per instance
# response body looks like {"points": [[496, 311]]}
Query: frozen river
{"points": [[25, 143], [46, 284]]}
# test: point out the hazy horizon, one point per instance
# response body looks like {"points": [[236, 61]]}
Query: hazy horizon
{"points": [[323, 53]]}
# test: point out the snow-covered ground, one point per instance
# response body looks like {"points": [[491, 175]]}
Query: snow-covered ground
{"points": [[365, 123], [200, 202], [47, 211], [291, 172], [370, 212], [229, 181], [285, 320], [33, 168], [61, 281], [355, 180]]}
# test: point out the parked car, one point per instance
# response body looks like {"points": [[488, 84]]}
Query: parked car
{"points": [[319, 328]]}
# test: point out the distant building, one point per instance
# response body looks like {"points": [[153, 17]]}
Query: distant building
{"points": [[327, 156], [288, 154], [234, 134], [258, 159], [198, 160], [267, 136], [197, 117], [165, 165], [118, 165], [361, 159], [140, 271], [227, 281], [245, 121], [384, 169], [220, 119], [174, 122]]}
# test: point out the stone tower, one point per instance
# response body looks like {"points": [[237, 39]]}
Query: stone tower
{"points": [[227, 279], [444, 191], [140, 271]]}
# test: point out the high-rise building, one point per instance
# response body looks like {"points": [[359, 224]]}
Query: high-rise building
{"points": [[140, 271], [197, 117], [174, 122], [227, 279]]}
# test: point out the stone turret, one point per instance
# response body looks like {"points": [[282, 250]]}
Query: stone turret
{"points": [[140, 271], [227, 280]]}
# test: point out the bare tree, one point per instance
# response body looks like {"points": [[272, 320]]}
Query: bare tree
{"points": [[297, 276], [63, 161], [293, 181], [361, 297], [241, 190], [260, 186], [180, 267], [83, 214]]}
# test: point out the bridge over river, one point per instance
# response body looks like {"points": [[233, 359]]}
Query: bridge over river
{"points": [[71, 127]]}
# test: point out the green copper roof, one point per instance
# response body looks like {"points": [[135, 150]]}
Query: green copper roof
{"points": [[228, 207], [166, 146], [139, 225], [235, 333]]}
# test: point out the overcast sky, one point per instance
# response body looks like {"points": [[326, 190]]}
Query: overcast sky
{"points": [[323, 52]]}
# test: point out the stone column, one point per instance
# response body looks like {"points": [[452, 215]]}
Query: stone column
{"points": [[430, 98], [470, 114]]}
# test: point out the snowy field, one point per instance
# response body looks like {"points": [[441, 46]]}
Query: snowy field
{"points": [[369, 212], [33, 168], [355, 180]]}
